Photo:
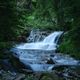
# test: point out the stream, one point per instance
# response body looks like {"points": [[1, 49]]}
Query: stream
{"points": [[39, 53]]}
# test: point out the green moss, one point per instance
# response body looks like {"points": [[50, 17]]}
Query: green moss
{"points": [[44, 76], [4, 49], [68, 47]]}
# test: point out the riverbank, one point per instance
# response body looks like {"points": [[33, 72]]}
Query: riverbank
{"points": [[58, 74]]}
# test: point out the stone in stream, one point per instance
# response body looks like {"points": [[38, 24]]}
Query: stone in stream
{"points": [[7, 75], [50, 61], [37, 35], [6, 65]]}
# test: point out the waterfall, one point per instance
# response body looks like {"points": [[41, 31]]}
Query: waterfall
{"points": [[49, 43], [36, 35], [52, 37], [36, 54]]}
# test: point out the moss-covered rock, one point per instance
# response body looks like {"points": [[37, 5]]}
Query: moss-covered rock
{"points": [[68, 46]]}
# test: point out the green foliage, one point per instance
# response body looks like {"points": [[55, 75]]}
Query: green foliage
{"points": [[41, 15], [44, 76], [8, 19], [71, 42], [4, 48], [22, 15], [69, 45]]}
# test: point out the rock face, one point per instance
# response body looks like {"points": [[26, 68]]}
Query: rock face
{"points": [[7, 75], [50, 61], [36, 35], [65, 74], [6, 65]]}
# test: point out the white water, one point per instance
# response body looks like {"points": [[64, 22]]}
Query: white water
{"points": [[49, 43], [34, 55]]}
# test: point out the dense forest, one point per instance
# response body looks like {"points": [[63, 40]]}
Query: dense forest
{"points": [[19, 17]]}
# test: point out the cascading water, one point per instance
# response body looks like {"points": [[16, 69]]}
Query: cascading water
{"points": [[52, 37], [36, 35], [49, 43], [36, 54]]}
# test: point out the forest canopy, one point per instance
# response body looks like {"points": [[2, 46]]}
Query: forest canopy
{"points": [[16, 16]]}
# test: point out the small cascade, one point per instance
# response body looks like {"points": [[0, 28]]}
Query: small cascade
{"points": [[52, 38], [36, 35], [49, 43], [36, 54]]}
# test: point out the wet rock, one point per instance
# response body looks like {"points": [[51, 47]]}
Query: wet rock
{"points": [[50, 61], [6, 65], [7, 75], [52, 55], [20, 76], [37, 35], [49, 76], [27, 71], [21, 38], [68, 74]]}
